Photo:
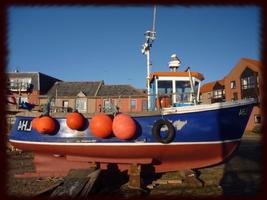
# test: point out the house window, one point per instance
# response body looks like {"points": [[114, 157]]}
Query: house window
{"points": [[20, 84], [217, 94], [235, 97], [248, 79], [21, 99], [65, 103], [144, 105], [248, 82], [209, 95], [81, 105], [52, 103], [133, 104], [107, 104], [257, 119], [233, 84]]}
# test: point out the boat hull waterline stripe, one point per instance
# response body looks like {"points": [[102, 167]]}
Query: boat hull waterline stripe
{"points": [[122, 144]]}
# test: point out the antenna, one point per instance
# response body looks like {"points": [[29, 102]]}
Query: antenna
{"points": [[150, 37], [154, 19]]}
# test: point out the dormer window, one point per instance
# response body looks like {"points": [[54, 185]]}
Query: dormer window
{"points": [[20, 84], [248, 82], [249, 85]]}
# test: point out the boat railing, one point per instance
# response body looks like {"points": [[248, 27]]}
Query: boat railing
{"points": [[128, 104], [55, 109], [133, 104]]}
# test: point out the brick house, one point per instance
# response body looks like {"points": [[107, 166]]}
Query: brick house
{"points": [[27, 86], [68, 96], [126, 97], [243, 81], [213, 92], [94, 96]]}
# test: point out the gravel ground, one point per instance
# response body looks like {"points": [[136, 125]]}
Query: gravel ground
{"points": [[239, 176]]}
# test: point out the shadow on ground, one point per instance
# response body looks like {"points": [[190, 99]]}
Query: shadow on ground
{"points": [[242, 173]]}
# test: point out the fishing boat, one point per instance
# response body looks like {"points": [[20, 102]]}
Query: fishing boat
{"points": [[177, 132]]}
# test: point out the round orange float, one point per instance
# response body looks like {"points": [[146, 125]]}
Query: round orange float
{"points": [[101, 125], [45, 125], [75, 120], [164, 101], [123, 126], [34, 122]]}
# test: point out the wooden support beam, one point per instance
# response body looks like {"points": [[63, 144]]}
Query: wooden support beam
{"points": [[77, 182], [89, 185], [134, 176]]}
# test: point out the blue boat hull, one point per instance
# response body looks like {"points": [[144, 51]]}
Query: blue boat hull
{"points": [[204, 135]]}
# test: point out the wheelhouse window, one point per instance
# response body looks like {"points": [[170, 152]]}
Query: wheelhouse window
{"points": [[196, 87], [144, 105], [183, 91], [165, 87]]}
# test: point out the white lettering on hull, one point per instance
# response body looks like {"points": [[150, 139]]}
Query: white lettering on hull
{"points": [[24, 125]]}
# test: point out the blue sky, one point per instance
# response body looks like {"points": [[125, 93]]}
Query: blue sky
{"points": [[104, 42]]}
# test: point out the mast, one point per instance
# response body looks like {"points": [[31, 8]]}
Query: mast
{"points": [[191, 85], [150, 37]]}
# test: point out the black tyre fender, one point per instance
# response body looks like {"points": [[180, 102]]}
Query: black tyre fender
{"points": [[156, 131]]}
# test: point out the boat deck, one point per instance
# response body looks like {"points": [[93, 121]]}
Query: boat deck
{"points": [[86, 115]]}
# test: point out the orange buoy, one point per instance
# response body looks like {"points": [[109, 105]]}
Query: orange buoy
{"points": [[164, 101], [123, 127], [75, 120], [101, 125], [34, 122], [46, 125]]}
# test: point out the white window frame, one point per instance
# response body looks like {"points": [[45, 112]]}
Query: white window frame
{"points": [[83, 108], [233, 84], [133, 100]]}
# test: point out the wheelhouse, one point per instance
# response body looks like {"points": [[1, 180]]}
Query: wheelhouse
{"points": [[174, 89]]}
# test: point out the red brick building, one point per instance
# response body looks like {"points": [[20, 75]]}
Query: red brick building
{"points": [[25, 87], [242, 82], [95, 96], [28, 86], [213, 92]]}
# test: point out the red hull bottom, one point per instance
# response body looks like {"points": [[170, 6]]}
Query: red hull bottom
{"points": [[157, 157]]}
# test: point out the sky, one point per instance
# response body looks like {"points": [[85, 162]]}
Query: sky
{"points": [[92, 43]]}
